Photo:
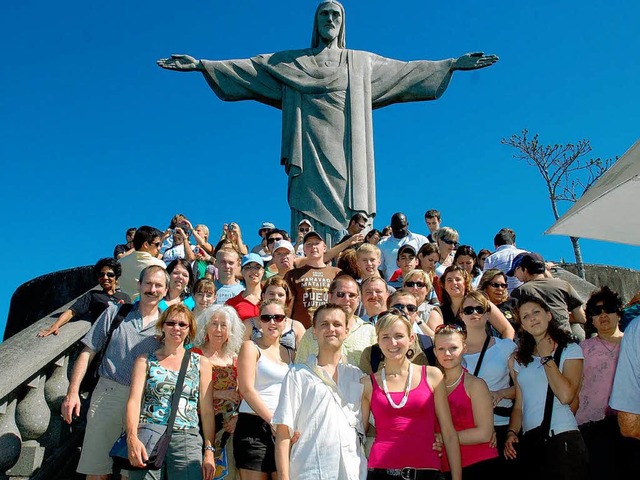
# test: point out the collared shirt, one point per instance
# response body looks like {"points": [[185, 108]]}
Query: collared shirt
{"points": [[502, 259], [130, 340], [361, 336], [327, 434], [132, 265], [389, 250], [626, 385]]}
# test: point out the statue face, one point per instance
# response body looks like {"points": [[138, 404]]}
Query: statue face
{"points": [[329, 21]]}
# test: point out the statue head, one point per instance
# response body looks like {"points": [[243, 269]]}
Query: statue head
{"points": [[318, 34]]}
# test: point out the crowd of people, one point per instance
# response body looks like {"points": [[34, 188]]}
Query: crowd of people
{"points": [[385, 355]]}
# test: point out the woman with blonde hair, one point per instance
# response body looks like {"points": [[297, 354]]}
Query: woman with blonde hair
{"points": [[447, 241], [429, 316]]}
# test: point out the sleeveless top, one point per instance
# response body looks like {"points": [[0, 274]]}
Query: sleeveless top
{"points": [[462, 416], [159, 387], [404, 436], [223, 378], [269, 378], [287, 339]]}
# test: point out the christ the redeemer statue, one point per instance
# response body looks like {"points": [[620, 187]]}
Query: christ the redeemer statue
{"points": [[326, 94]]}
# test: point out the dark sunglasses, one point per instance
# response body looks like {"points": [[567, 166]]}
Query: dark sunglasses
{"points": [[173, 323], [596, 310], [271, 240], [471, 310], [449, 242], [415, 284], [346, 294], [498, 285], [277, 317], [107, 274], [304, 230], [393, 311], [157, 244], [451, 327], [408, 308]]}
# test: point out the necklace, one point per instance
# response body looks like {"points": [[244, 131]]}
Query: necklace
{"points": [[456, 382], [406, 390]]}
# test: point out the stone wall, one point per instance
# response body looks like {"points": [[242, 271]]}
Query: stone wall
{"points": [[623, 280]]}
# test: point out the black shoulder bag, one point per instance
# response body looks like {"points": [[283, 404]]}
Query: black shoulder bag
{"points": [[154, 437]]}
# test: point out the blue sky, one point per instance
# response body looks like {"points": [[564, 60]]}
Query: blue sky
{"points": [[96, 138]]}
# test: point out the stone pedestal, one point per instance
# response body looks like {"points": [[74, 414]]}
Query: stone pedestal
{"points": [[31, 457]]}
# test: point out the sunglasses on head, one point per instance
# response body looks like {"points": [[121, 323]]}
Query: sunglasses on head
{"points": [[448, 327], [408, 308], [498, 285], [173, 323], [598, 309], [276, 317], [415, 284], [471, 310], [107, 274]]}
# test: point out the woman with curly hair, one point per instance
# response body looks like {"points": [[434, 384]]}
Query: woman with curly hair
{"points": [[546, 360]]}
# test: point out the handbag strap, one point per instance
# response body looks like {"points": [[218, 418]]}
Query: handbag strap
{"points": [[122, 312], [482, 352], [175, 398], [548, 405]]}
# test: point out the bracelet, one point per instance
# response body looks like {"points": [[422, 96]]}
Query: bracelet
{"points": [[512, 431], [209, 448], [545, 360]]}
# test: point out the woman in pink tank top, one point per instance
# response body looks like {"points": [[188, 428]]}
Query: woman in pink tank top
{"points": [[471, 406], [407, 401]]}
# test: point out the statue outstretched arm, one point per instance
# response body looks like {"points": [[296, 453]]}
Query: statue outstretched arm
{"points": [[181, 63], [473, 61]]}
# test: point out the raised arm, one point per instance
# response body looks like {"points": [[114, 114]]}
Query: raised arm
{"points": [[180, 63]]}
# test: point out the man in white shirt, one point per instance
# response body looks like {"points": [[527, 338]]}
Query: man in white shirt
{"points": [[401, 236], [502, 258], [320, 401]]}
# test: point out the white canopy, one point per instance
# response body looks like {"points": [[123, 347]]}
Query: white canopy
{"points": [[609, 209]]}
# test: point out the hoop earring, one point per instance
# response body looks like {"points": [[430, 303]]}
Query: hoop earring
{"points": [[410, 353]]}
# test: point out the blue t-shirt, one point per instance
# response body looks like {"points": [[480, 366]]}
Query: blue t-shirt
{"points": [[625, 395]]}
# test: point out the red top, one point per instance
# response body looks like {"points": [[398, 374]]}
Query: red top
{"points": [[404, 436], [462, 416], [244, 307]]}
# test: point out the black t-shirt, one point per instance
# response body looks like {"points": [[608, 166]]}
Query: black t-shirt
{"points": [[91, 305], [119, 250]]}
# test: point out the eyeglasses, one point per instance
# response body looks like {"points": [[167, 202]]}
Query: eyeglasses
{"points": [[393, 311], [346, 294], [272, 240], [173, 323], [498, 285], [453, 327], [276, 317], [415, 284], [107, 274], [471, 310], [361, 225], [449, 242], [408, 308], [596, 310], [304, 230], [157, 244]]}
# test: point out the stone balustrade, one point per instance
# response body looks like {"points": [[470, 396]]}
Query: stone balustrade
{"points": [[33, 384]]}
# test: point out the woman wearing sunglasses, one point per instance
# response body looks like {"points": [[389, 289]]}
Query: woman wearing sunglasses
{"points": [[494, 283], [471, 406], [91, 305], [456, 283], [429, 317], [447, 242], [487, 357], [597, 422], [262, 366], [407, 402], [546, 361]]}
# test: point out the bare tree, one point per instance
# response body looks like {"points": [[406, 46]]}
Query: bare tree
{"points": [[564, 170]]}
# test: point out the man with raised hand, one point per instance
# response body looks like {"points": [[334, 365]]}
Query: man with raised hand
{"points": [[320, 401]]}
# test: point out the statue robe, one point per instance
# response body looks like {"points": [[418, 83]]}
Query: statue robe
{"points": [[327, 132]]}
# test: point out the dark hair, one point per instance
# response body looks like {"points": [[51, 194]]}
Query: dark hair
{"points": [[109, 262], [326, 307], [609, 298], [427, 249], [145, 234], [488, 276], [358, 217], [371, 233], [187, 266], [348, 264], [469, 252], [446, 299], [386, 231], [432, 214], [526, 342], [505, 236], [130, 231], [176, 220]]}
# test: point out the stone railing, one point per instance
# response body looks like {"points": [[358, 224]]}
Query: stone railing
{"points": [[34, 440]]}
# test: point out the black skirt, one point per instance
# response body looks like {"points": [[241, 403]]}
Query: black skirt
{"points": [[253, 444]]}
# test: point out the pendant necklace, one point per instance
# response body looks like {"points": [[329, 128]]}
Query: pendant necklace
{"points": [[406, 390], [456, 382]]}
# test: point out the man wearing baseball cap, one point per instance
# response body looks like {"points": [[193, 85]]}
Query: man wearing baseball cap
{"points": [[261, 249], [309, 284], [282, 258], [562, 298]]}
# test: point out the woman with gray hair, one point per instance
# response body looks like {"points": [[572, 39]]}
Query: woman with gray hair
{"points": [[220, 341]]}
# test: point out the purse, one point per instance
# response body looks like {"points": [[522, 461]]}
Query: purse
{"points": [[154, 437]]}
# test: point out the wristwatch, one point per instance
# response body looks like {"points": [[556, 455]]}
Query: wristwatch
{"points": [[210, 448], [545, 360]]}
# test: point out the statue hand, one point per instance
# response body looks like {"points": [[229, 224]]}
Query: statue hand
{"points": [[473, 61], [182, 63]]}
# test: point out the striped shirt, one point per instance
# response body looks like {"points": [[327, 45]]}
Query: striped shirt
{"points": [[129, 341]]}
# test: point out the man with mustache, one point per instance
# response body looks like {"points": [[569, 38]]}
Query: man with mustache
{"points": [[135, 336]]}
